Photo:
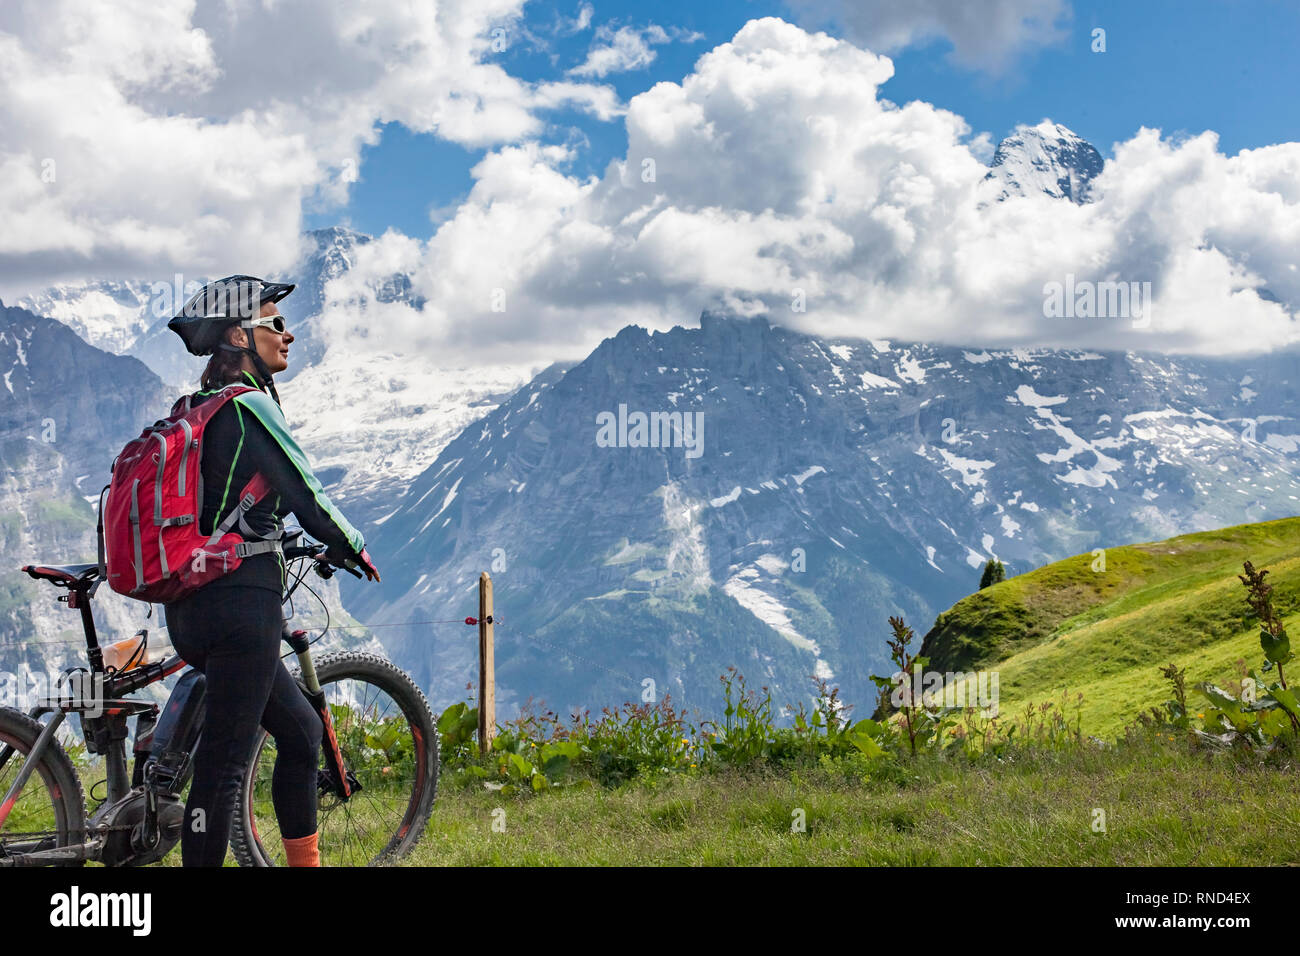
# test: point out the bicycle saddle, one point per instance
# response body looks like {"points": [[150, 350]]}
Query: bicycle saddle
{"points": [[76, 576]]}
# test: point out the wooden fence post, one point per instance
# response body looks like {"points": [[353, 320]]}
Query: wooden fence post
{"points": [[487, 692]]}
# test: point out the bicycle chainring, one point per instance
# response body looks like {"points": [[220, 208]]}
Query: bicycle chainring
{"points": [[123, 823]]}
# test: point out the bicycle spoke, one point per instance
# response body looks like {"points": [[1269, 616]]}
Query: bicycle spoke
{"points": [[371, 799], [350, 845], [382, 753]]}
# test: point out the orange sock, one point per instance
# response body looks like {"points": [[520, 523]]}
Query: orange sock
{"points": [[302, 851]]}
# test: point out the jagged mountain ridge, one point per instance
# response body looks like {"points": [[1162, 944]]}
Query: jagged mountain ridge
{"points": [[890, 472]]}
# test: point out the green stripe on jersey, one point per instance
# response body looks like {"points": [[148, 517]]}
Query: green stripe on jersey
{"points": [[270, 415]]}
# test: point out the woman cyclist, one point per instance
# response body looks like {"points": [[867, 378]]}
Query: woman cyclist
{"points": [[230, 629]]}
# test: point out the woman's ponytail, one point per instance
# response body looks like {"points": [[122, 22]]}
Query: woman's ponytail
{"points": [[223, 367]]}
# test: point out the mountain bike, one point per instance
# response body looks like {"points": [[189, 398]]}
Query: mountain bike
{"points": [[376, 783]]}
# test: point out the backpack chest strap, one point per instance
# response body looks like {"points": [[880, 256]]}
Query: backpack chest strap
{"points": [[246, 549]]}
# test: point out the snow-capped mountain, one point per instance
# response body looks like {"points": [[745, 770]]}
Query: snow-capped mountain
{"points": [[833, 484], [130, 317], [372, 426], [108, 315], [1047, 159], [369, 424]]}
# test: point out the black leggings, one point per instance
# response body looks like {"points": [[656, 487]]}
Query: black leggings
{"points": [[232, 635]]}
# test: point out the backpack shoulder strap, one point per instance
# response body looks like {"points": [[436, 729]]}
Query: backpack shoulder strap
{"points": [[253, 492], [201, 412]]}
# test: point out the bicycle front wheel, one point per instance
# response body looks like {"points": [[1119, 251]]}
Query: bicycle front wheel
{"points": [[389, 742]]}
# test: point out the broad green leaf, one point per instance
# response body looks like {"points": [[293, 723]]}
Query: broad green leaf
{"points": [[520, 767], [873, 728], [1275, 648], [1219, 697], [1287, 699], [1240, 720], [449, 720], [1273, 721], [556, 766], [867, 745], [569, 748]]}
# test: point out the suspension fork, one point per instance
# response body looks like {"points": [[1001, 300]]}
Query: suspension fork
{"points": [[312, 689]]}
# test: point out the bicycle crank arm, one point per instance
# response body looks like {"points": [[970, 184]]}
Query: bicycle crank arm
{"points": [[52, 856]]}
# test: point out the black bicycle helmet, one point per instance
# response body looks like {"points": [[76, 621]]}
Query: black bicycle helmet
{"points": [[218, 304], [207, 313]]}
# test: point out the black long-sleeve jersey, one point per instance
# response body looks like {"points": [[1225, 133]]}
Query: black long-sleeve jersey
{"points": [[247, 435]]}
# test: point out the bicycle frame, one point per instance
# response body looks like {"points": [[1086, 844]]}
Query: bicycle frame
{"points": [[104, 719], [106, 731]]}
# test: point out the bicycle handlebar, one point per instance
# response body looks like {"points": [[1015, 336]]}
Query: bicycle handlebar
{"points": [[325, 565]]}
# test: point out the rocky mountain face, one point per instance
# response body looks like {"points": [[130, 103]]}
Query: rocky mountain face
{"points": [[66, 408], [1048, 160], [824, 486]]}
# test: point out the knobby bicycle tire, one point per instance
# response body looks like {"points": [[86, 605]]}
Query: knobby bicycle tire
{"points": [[378, 672], [55, 773]]}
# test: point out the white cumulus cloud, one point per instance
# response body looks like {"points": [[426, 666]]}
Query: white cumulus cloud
{"points": [[627, 48], [772, 174], [776, 167], [148, 136]]}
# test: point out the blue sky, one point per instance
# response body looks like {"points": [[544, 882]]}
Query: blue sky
{"points": [[1183, 67]]}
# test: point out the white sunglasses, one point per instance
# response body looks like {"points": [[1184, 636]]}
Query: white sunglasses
{"points": [[275, 322]]}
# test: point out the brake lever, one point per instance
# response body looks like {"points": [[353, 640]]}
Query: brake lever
{"points": [[323, 568], [326, 568]]}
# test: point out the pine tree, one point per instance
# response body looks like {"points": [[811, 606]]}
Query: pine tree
{"points": [[993, 573]]}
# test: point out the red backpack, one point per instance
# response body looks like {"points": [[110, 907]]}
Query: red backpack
{"points": [[150, 547]]}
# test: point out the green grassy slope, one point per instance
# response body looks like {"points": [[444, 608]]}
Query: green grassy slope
{"points": [[1105, 633], [1034, 811]]}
